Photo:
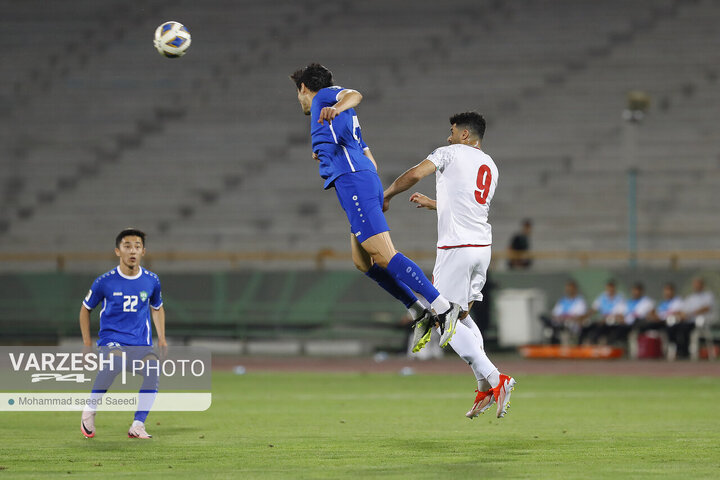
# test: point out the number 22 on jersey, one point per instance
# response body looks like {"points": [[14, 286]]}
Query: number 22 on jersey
{"points": [[130, 303], [483, 182]]}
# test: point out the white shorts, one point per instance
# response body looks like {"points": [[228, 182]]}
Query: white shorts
{"points": [[460, 273]]}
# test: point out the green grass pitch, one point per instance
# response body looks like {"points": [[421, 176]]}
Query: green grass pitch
{"points": [[388, 426]]}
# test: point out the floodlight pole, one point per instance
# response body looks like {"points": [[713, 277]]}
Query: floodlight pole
{"points": [[637, 104], [632, 215], [630, 131]]}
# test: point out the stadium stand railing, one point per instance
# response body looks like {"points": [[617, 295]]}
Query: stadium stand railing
{"points": [[320, 259]]}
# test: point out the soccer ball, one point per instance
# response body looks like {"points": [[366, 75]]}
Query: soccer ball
{"points": [[172, 39]]}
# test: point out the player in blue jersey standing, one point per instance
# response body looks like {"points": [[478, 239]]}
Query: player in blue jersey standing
{"points": [[130, 296], [347, 164]]}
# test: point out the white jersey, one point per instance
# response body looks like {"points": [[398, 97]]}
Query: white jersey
{"points": [[698, 300], [466, 178]]}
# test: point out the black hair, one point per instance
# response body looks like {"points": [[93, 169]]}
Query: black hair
{"points": [[639, 286], [610, 282], [670, 285], [314, 76], [472, 121], [129, 232]]}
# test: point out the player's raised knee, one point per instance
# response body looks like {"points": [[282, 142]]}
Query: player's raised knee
{"points": [[381, 260]]}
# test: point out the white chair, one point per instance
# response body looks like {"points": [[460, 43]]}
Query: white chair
{"points": [[670, 348]]}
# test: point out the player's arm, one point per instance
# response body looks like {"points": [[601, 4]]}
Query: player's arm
{"points": [[158, 316], [94, 296], [423, 201], [85, 326], [346, 99], [407, 180]]}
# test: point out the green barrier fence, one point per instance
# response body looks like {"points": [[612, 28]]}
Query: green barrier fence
{"points": [[42, 307]]}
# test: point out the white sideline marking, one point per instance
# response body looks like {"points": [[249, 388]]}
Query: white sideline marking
{"points": [[518, 392]]}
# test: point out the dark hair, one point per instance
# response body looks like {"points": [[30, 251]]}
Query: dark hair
{"points": [[670, 285], [639, 286], [527, 222], [571, 282], [472, 121], [314, 76], [130, 232], [610, 282]]}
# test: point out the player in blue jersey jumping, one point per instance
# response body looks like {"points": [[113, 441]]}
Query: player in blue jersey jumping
{"points": [[130, 296], [347, 164]]}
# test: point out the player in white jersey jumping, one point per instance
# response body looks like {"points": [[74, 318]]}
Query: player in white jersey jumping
{"points": [[466, 180]]}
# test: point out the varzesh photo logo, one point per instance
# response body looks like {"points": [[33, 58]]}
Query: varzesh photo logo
{"points": [[112, 377]]}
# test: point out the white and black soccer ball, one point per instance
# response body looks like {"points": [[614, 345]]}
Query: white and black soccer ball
{"points": [[172, 39]]}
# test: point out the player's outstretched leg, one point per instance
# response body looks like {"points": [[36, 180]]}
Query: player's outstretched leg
{"points": [[387, 282], [383, 253], [400, 291], [406, 271]]}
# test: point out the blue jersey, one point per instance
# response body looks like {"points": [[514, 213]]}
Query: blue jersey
{"points": [[339, 145], [607, 305], [570, 306], [126, 303], [669, 307]]}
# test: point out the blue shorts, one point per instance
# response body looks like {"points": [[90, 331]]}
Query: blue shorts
{"points": [[131, 351], [361, 196]]}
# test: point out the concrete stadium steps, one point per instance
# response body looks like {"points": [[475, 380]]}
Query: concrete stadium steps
{"points": [[32, 31], [94, 109], [232, 168]]}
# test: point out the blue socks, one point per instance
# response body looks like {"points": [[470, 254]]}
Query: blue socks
{"points": [[395, 288], [401, 277], [148, 390], [407, 272], [106, 376]]}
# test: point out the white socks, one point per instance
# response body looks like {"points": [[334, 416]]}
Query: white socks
{"points": [[470, 323], [440, 305], [416, 310], [468, 344], [137, 423]]}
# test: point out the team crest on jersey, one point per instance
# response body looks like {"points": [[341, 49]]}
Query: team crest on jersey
{"points": [[143, 295]]}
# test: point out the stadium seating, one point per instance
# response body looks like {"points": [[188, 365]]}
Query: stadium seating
{"points": [[211, 152]]}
